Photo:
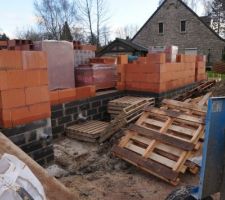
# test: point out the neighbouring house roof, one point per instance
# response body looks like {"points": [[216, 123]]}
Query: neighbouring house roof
{"points": [[203, 19], [127, 46], [206, 19]]}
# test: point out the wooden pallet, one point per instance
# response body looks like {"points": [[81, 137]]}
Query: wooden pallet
{"points": [[126, 116], [162, 140], [196, 91], [88, 131], [118, 105]]}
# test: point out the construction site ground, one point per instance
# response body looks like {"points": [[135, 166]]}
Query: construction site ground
{"points": [[91, 171]]}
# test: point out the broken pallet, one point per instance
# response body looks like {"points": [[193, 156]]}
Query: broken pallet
{"points": [[163, 140]]}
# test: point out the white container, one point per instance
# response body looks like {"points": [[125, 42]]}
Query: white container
{"points": [[170, 51]]}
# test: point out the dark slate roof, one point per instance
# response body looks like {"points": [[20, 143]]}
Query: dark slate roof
{"points": [[206, 19], [127, 43], [131, 44], [200, 19]]}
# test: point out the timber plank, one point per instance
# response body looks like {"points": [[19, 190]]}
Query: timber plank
{"points": [[146, 164], [162, 137]]}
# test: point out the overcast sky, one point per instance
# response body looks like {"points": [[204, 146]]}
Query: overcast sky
{"points": [[18, 14]]}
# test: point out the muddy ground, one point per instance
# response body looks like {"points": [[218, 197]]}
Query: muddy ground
{"points": [[91, 171]]}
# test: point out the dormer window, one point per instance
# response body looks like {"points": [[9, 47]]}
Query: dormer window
{"points": [[183, 26]]}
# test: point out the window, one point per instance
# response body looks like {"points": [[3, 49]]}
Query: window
{"points": [[161, 28], [183, 26]]}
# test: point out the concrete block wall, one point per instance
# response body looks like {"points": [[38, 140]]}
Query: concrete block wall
{"points": [[66, 114], [34, 138]]}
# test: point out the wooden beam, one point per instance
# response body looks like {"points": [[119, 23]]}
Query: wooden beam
{"points": [[54, 190], [162, 138]]}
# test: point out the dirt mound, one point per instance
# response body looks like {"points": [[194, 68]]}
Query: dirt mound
{"points": [[219, 89]]}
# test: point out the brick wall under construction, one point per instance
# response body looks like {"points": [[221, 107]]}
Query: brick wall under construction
{"points": [[154, 74], [25, 103]]}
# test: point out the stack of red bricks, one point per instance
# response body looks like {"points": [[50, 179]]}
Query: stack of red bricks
{"points": [[200, 69], [86, 47], [72, 94], [122, 60], [154, 74], [22, 45], [23, 87], [103, 60], [3, 44]]}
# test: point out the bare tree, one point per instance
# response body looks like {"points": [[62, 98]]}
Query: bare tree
{"points": [[94, 15], [79, 34], [29, 34], [105, 37], [86, 16], [52, 14], [127, 31], [102, 18], [218, 16]]}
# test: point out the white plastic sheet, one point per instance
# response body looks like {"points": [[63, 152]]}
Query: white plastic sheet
{"points": [[14, 176]]}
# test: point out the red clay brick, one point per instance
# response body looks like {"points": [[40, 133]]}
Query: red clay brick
{"points": [[34, 60], [43, 77], [3, 80], [156, 58], [54, 97], [67, 95], [16, 79], [93, 90], [31, 113], [120, 86], [83, 92], [20, 115], [37, 95], [41, 111], [5, 119], [12, 98], [11, 59], [36, 78], [122, 59]]}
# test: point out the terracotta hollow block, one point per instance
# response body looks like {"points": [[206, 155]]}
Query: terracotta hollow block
{"points": [[16, 79], [37, 95], [67, 95], [54, 97], [158, 58], [11, 59], [12, 98], [34, 60]]}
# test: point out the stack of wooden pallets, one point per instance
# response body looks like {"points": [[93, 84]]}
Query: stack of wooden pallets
{"points": [[91, 131], [163, 140], [116, 106], [200, 89]]}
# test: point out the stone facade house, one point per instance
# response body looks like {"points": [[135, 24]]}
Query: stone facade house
{"points": [[174, 23]]}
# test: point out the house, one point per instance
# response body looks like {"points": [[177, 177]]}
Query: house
{"points": [[121, 46], [174, 23]]}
